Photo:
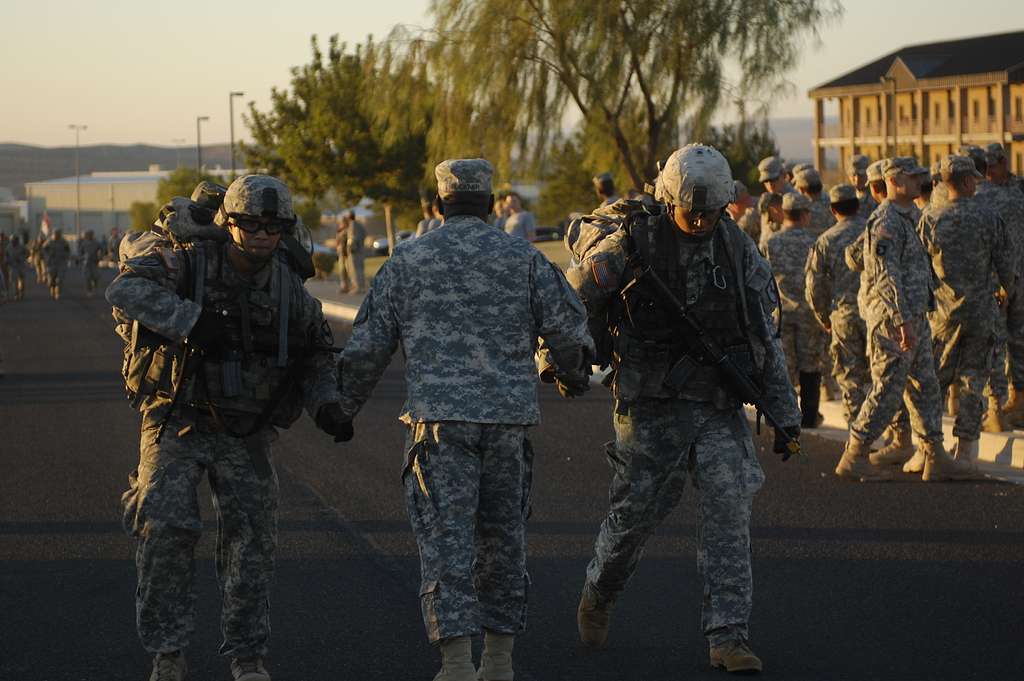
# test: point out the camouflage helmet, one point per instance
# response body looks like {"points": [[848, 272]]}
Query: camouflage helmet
{"points": [[696, 178], [259, 196]]}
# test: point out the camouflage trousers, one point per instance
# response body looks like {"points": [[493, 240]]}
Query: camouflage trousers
{"points": [[161, 509], [467, 491], [804, 344], [1014, 318], [92, 276], [850, 359], [1000, 365], [55, 274], [964, 357], [658, 445], [900, 378]]}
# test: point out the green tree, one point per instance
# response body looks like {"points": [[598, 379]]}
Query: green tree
{"points": [[142, 214], [641, 74], [180, 182], [567, 184], [744, 144]]}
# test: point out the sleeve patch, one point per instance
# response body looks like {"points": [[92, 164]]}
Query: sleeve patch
{"points": [[602, 274]]}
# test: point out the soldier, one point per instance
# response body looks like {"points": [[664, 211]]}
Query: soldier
{"points": [[250, 349], [741, 210], [968, 248], [769, 205], [356, 237], [90, 250], [832, 295], [894, 297], [771, 177], [803, 341], [36, 258], [56, 253], [921, 202], [341, 241], [673, 417], [808, 183], [468, 303], [15, 259], [604, 185], [857, 173]]}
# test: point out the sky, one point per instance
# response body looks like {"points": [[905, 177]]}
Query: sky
{"points": [[141, 72]]}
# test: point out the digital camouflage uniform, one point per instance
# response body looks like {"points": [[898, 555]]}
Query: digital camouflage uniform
{"points": [[467, 302], [90, 251], [231, 448], [15, 256], [896, 288], [750, 223], [56, 253], [966, 251], [832, 294], [693, 429]]}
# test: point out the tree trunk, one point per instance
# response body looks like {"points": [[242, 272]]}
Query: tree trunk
{"points": [[390, 228]]}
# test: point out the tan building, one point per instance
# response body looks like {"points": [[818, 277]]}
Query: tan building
{"points": [[925, 101]]}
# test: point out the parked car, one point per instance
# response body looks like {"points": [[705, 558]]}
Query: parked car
{"points": [[380, 244]]}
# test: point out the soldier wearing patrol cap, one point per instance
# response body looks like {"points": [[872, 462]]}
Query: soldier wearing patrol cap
{"points": [[223, 346], [969, 248], [468, 302], [770, 175], [895, 295], [741, 209], [769, 206], [604, 185], [832, 294], [808, 183], [803, 340], [673, 416], [857, 173]]}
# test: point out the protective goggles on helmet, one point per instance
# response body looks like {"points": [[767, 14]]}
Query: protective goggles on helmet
{"points": [[251, 224]]}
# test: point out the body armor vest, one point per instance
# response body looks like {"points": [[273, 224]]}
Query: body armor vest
{"points": [[651, 356]]}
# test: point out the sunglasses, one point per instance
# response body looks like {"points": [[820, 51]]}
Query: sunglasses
{"points": [[251, 224]]}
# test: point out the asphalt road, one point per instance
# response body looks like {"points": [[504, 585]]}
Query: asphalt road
{"points": [[888, 581]]}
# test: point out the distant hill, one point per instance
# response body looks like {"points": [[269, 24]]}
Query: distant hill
{"points": [[21, 163]]}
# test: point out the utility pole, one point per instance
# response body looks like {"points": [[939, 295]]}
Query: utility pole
{"points": [[78, 182], [177, 142], [199, 144], [231, 116]]}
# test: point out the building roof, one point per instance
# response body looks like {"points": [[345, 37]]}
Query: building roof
{"points": [[108, 178], [968, 56]]}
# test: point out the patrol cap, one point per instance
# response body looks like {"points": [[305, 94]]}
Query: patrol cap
{"points": [[696, 177], [919, 170], [808, 176], [770, 168], [789, 167], [972, 151], [794, 201], [463, 176], [858, 165], [799, 168], [738, 189], [842, 192], [994, 153], [892, 167], [768, 199], [259, 196], [957, 165], [874, 171]]}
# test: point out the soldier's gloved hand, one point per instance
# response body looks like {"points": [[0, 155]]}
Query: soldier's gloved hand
{"points": [[331, 420], [208, 331], [570, 386], [781, 439]]}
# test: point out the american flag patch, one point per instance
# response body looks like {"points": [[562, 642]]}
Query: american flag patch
{"points": [[602, 275]]}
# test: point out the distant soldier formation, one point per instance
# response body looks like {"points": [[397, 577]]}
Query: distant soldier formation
{"points": [[49, 257]]}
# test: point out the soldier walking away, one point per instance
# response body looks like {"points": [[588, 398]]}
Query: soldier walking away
{"points": [[604, 185], [355, 236], [224, 346], [803, 340], [36, 257], [894, 298], [968, 248], [674, 416], [56, 253], [832, 295], [15, 258], [90, 251], [468, 303]]}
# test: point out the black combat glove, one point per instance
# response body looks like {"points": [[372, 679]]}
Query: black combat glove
{"points": [[793, 433], [208, 332], [572, 386], [331, 420]]}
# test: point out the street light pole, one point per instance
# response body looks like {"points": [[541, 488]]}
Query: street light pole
{"points": [[78, 181], [231, 116], [177, 142], [199, 144]]}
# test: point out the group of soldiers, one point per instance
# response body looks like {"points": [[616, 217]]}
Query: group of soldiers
{"points": [[912, 278], [49, 257]]}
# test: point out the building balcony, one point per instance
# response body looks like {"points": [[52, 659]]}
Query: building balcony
{"points": [[980, 125], [869, 130], [940, 126], [1015, 125]]}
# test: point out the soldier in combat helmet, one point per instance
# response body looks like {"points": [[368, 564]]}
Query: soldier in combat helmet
{"points": [[673, 416], [250, 349], [468, 302]]}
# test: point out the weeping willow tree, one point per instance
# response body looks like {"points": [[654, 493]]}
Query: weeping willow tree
{"points": [[506, 75]]}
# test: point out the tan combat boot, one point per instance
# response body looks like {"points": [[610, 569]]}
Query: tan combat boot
{"points": [[593, 616], [1013, 411], [249, 669], [916, 463], [457, 660], [496, 661], [735, 656], [938, 465], [966, 450], [993, 422], [855, 464], [169, 667], [899, 450]]}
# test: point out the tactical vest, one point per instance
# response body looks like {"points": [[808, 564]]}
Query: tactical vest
{"points": [[651, 356], [255, 377]]}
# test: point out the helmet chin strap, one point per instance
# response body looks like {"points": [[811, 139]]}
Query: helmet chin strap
{"points": [[250, 257]]}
